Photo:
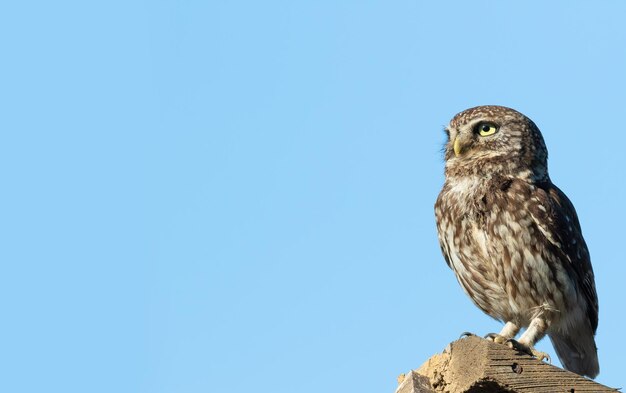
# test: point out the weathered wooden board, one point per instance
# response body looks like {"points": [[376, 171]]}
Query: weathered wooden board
{"points": [[473, 364]]}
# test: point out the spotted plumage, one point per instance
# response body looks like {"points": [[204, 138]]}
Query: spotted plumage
{"points": [[513, 239]]}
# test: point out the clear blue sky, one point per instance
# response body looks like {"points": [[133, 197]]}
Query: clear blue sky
{"points": [[234, 196]]}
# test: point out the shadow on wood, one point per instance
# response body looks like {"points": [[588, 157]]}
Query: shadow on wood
{"points": [[472, 365]]}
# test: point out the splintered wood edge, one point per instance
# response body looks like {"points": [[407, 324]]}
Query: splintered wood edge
{"points": [[412, 382], [469, 363]]}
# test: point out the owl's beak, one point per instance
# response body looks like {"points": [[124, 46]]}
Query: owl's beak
{"points": [[458, 148], [462, 143]]}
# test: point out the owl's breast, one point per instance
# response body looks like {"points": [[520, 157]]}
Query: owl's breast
{"points": [[461, 224], [496, 250]]}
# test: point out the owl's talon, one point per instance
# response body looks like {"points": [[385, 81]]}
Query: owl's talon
{"points": [[466, 334], [542, 356], [496, 338], [518, 346]]}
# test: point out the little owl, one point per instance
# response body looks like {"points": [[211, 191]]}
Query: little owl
{"points": [[513, 238]]}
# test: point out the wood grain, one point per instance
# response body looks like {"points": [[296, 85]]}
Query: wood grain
{"points": [[473, 364]]}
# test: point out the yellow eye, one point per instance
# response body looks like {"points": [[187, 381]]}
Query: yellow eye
{"points": [[486, 129]]}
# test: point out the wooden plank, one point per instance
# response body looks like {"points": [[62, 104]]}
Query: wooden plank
{"points": [[473, 364]]}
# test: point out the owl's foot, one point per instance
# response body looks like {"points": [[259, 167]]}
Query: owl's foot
{"points": [[496, 338], [518, 346], [466, 334]]}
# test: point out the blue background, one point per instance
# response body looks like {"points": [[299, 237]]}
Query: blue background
{"points": [[213, 196]]}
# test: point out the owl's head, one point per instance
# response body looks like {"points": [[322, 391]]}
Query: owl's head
{"points": [[495, 141]]}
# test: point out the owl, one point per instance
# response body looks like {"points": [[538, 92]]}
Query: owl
{"points": [[513, 238]]}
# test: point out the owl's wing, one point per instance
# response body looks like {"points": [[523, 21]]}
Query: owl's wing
{"points": [[556, 218]]}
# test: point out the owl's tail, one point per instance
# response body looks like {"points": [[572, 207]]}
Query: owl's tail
{"points": [[577, 351]]}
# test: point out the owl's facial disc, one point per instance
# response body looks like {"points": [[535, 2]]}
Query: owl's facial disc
{"points": [[466, 138]]}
